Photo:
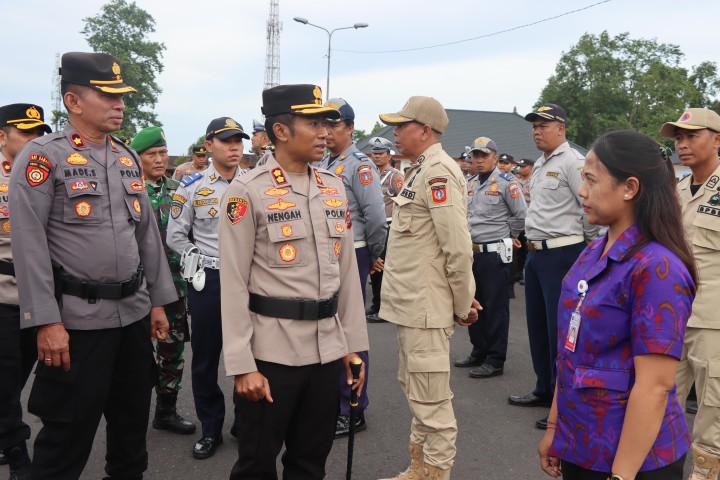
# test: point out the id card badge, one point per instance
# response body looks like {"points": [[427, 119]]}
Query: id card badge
{"points": [[573, 330]]}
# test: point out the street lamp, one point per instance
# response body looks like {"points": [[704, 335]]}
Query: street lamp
{"points": [[305, 21]]}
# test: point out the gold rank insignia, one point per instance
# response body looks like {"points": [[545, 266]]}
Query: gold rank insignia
{"points": [[494, 187], [77, 140], [125, 161], [116, 69], [339, 169], [276, 192], [76, 159], [288, 252], [33, 113], [3, 188], [333, 203], [204, 192], [212, 212], [317, 93], [281, 205]]}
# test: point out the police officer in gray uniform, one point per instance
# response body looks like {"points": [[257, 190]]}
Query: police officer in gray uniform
{"points": [[367, 211], [92, 278], [196, 209], [496, 216]]}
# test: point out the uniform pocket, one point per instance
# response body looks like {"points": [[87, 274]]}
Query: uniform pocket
{"points": [[707, 231], [550, 183], [83, 203], [712, 385], [402, 218], [429, 377], [602, 378], [53, 393], [337, 229], [287, 244]]}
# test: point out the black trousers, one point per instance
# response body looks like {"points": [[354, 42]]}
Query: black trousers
{"points": [[112, 374], [489, 335], [674, 471], [18, 353], [376, 280], [302, 416]]}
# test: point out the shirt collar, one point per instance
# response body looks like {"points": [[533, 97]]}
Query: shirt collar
{"points": [[598, 262]]}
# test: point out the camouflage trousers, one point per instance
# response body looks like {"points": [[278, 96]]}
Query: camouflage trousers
{"points": [[169, 352]]}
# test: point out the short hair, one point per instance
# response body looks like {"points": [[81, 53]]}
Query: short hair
{"points": [[287, 119], [66, 87]]}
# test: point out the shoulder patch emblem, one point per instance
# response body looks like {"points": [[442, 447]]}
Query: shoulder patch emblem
{"points": [[398, 182], [288, 252], [136, 206], [204, 192], [435, 180], [37, 170], [179, 198], [281, 205], [136, 186], [339, 169], [712, 181], [439, 194], [365, 174], [126, 161], [318, 180], [76, 159], [176, 209], [83, 209], [328, 190], [276, 192], [514, 190], [333, 203]]}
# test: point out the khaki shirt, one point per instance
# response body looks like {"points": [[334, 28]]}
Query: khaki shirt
{"points": [[87, 209], [279, 242], [8, 284], [556, 207], [701, 216], [428, 273], [187, 168]]}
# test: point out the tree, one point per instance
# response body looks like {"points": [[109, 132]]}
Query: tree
{"points": [[606, 83], [121, 29]]}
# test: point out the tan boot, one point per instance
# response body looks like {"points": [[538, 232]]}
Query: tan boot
{"points": [[705, 464], [436, 473], [415, 471]]}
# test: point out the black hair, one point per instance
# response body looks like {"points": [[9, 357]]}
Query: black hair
{"points": [[287, 119], [656, 206]]}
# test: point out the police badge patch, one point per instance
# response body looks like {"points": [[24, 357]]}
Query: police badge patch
{"points": [[439, 194], [176, 209], [236, 209]]}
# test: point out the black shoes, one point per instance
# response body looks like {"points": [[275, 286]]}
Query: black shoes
{"points": [[374, 318], [529, 400], [19, 461], [167, 418], [542, 424], [691, 407], [206, 446], [342, 428], [486, 371], [468, 361]]}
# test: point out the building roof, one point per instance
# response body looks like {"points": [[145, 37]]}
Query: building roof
{"points": [[510, 131]]}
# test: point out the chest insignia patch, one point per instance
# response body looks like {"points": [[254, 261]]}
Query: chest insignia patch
{"points": [[83, 209], [328, 190], [288, 252], [236, 209], [204, 192], [439, 194], [333, 203], [281, 205], [136, 186], [339, 169], [76, 159], [286, 230], [276, 192]]}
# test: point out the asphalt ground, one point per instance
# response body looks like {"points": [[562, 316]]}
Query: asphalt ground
{"points": [[495, 440]]}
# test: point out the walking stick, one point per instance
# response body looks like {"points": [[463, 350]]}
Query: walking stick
{"points": [[355, 366]]}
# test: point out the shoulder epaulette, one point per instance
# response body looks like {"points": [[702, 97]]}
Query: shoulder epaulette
{"points": [[190, 179], [360, 155], [245, 178], [507, 177], [45, 139]]}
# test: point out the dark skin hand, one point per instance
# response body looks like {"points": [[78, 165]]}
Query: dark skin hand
{"points": [[472, 315]]}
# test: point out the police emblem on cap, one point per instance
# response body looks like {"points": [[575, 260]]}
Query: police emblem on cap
{"points": [[318, 95], [231, 123], [685, 117], [116, 69], [33, 113]]}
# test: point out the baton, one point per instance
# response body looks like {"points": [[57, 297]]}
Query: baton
{"points": [[355, 366]]}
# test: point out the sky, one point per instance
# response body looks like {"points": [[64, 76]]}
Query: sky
{"points": [[215, 57]]}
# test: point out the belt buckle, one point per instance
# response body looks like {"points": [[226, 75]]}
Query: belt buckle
{"points": [[325, 308], [531, 246]]}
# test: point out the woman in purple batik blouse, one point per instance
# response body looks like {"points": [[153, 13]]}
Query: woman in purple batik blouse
{"points": [[621, 321]]}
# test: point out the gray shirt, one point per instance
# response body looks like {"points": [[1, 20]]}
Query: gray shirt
{"points": [[365, 199], [86, 209], [556, 208], [196, 207], [496, 208]]}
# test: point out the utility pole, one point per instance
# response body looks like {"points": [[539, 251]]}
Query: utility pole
{"points": [[55, 95], [272, 52]]}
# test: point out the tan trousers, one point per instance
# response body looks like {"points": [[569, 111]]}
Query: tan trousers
{"points": [[424, 376], [701, 363]]}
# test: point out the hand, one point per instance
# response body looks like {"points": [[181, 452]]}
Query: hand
{"points": [[360, 383], [516, 244], [159, 326], [377, 266], [549, 465], [253, 386], [472, 315], [53, 345]]}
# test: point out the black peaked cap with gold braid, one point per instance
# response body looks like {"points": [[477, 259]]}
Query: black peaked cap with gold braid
{"points": [[296, 99], [23, 116], [97, 70]]}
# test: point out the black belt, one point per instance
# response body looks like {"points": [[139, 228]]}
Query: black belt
{"points": [[294, 309], [7, 268], [94, 290]]}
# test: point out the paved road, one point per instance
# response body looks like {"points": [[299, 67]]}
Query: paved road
{"points": [[496, 440]]}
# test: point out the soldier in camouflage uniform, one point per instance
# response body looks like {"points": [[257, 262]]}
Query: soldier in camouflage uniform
{"points": [[151, 145]]}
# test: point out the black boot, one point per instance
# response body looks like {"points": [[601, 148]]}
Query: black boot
{"points": [[167, 418], [19, 461]]}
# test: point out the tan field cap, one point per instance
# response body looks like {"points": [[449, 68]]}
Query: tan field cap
{"points": [[693, 119], [425, 110]]}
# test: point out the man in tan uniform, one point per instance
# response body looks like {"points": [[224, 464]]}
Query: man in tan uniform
{"points": [[198, 163], [428, 282], [19, 123], [697, 139], [291, 303]]}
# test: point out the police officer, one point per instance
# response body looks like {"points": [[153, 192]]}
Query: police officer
{"points": [[261, 143], [523, 171], [423, 297], [92, 278], [286, 250], [196, 208], [697, 140], [557, 231], [151, 145], [367, 211], [19, 123], [391, 181], [198, 163], [496, 216]]}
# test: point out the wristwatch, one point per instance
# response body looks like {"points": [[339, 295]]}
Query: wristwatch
{"points": [[616, 477]]}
